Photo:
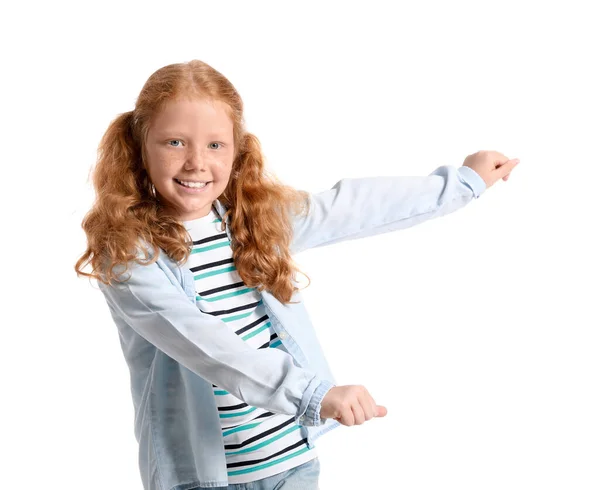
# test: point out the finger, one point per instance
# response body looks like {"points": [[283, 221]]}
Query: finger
{"points": [[368, 405], [369, 409], [359, 415], [504, 169], [347, 417], [505, 178], [498, 162]]}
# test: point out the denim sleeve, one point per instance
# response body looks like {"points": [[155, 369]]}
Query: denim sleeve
{"points": [[313, 412], [361, 207], [159, 310]]}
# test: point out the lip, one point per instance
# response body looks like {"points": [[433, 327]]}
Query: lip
{"points": [[191, 190], [194, 181]]}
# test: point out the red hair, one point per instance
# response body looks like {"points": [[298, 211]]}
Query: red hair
{"points": [[126, 208]]}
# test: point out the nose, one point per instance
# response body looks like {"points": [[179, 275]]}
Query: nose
{"points": [[196, 160]]}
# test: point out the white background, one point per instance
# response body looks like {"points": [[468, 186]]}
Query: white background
{"points": [[478, 330]]}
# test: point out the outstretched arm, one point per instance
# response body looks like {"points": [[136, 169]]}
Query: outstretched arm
{"points": [[361, 207]]}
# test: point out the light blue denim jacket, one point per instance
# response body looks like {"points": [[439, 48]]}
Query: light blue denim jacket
{"points": [[175, 352]]}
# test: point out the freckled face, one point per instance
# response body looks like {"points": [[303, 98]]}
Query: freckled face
{"points": [[189, 142]]}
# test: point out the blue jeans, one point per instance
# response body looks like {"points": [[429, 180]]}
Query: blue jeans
{"points": [[303, 477]]}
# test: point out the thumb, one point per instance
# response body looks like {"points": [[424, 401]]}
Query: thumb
{"points": [[505, 168], [381, 411]]}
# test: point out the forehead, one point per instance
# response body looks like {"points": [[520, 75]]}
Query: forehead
{"points": [[193, 115]]}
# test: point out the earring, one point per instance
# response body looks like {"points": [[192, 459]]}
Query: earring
{"points": [[153, 191]]}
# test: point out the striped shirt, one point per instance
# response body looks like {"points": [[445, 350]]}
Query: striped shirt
{"points": [[257, 443]]}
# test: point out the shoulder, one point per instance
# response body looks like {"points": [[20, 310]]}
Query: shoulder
{"points": [[146, 260]]}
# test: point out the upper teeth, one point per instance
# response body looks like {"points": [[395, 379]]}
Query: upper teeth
{"points": [[193, 184]]}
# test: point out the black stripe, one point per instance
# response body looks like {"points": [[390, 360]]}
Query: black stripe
{"points": [[210, 264], [233, 407], [261, 416], [253, 324], [247, 463], [266, 344], [259, 436], [221, 288], [210, 239], [232, 310]]}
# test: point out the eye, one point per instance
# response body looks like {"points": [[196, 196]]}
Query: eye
{"points": [[215, 143], [172, 145]]}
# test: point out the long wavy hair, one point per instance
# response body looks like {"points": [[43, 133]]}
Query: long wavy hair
{"points": [[127, 210]]}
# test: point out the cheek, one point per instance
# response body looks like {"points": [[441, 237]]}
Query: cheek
{"points": [[225, 167], [224, 174], [163, 169]]}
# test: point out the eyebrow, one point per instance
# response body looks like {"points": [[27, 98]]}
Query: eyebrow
{"points": [[212, 134]]}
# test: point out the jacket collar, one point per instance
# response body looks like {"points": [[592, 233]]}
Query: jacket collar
{"points": [[220, 208]]}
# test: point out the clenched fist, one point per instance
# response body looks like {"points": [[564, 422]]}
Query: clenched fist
{"points": [[350, 405]]}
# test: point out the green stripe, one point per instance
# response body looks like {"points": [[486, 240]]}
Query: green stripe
{"points": [[276, 344], [229, 415], [214, 273], [228, 295], [241, 427], [210, 247], [221, 392], [250, 335], [236, 317], [265, 443], [266, 465]]}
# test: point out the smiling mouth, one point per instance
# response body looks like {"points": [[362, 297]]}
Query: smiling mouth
{"points": [[192, 185]]}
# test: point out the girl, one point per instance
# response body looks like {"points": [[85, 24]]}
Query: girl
{"points": [[191, 243]]}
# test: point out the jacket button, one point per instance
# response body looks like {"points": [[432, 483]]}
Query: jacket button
{"points": [[283, 335]]}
